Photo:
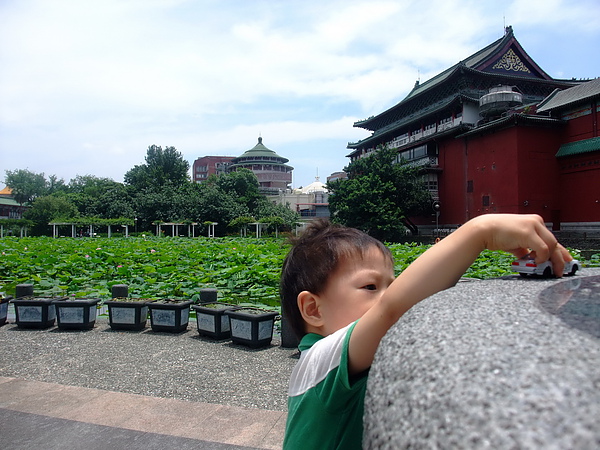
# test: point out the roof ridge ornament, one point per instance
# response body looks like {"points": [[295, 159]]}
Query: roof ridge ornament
{"points": [[511, 61]]}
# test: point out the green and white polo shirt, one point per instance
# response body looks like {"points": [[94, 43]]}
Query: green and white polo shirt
{"points": [[325, 407]]}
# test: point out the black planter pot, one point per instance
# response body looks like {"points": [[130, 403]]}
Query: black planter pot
{"points": [[4, 309], [127, 314], [208, 295], [35, 312], [76, 314], [120, 291], [212, 320], [24, 290], [252, 327], [169, 315]]}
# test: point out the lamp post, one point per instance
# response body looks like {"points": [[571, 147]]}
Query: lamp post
{"points": [[436, 208]]}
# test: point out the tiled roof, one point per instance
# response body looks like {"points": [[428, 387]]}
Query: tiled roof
{"points": [[259, 150], [514, 118], [576, 148], [8, 202], [481, 63], [428, 110], [566, 97], [6, 192]]}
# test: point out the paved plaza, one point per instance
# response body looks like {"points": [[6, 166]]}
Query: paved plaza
{"points": [[124, 389]]}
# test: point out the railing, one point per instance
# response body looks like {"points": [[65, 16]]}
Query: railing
{"points": [[427, 161]]}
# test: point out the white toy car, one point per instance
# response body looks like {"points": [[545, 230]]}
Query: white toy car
{"points": [[527, 266]]}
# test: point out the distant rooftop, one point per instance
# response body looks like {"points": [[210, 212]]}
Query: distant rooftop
{"points": [[562, 98], [259, 150]]}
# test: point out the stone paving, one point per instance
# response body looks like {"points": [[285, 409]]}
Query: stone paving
{"points": [[114, 389]]}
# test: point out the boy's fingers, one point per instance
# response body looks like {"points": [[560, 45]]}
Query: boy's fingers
{"points": [[544, 243], [558, 262], [520, 252]]}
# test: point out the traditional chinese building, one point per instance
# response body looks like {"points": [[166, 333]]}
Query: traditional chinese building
{"points": [[9, 207], [482, 146], [271, 169]]}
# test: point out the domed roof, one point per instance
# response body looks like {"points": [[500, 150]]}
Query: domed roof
{"points": [[315, 186], [260, 151]]}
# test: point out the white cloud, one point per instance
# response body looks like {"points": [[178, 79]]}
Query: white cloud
{"points": [[207, 76]]}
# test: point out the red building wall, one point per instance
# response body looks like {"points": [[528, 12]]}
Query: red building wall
{"points": [[580, 188], [579, 191], [582, 122], [513, 170], [452, 182]]}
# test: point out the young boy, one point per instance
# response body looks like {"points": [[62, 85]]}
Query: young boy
{"points": [[339, 294]]}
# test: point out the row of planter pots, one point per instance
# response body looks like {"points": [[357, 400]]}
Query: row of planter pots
{"points": [[247, 326]]}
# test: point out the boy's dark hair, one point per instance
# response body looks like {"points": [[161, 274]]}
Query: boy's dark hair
{"points": [[313, 257]]}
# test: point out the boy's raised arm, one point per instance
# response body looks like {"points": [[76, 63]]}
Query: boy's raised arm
{"points": [[442, 265]]}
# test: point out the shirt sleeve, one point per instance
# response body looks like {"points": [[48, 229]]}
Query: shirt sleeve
{"points": [[337, 391]]}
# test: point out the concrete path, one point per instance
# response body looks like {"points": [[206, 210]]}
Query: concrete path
{"points": [[102, 389], [36, 414]]}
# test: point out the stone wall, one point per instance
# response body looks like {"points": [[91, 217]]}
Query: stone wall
{"points": [[488, 364]]}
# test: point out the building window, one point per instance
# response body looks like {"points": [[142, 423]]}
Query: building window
{"points": [[430, 181], [413, 153], [486, 200], [470, 186]]}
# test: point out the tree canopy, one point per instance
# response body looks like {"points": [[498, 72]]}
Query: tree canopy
{"points": [[158, 191], [26, 185], [379, 195], [161, 167]]}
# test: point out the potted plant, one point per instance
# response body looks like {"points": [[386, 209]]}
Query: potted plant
{"points": [[4, 307], [252, 327], [127, 313], [212, 321], [35, 312], [76, 313], [171, 315]]}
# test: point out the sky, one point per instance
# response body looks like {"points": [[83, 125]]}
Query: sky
{"points": [[86, 86]]}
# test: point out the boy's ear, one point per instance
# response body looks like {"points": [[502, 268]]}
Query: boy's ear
{"points": [[308, 304]]}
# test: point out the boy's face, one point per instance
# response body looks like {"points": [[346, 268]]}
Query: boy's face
{"points": [[353, 288]]}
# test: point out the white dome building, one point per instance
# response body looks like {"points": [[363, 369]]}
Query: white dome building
{"points": [[309, 201]]}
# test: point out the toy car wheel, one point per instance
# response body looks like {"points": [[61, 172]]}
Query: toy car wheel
{"points": [[547, 272], [574, 269], [524, 275]]}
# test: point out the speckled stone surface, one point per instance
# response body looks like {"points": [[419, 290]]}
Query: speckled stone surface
{"points": [[182, 366], [491, 364]]}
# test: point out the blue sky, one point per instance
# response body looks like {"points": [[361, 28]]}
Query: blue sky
{"points": [[87, 85]]}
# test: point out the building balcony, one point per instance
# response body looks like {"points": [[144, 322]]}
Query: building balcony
{"points": [[427, 161]]}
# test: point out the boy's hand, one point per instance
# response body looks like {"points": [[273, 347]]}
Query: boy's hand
{"points": [[521, 235]]}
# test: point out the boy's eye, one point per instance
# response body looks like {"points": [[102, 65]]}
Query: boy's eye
{"points": [[370, 287]]}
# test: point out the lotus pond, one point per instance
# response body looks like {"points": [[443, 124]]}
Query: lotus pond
{"points": [[244, 270]]}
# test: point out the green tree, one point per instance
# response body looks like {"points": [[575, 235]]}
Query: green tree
{"points": [[242, 185], [267, 209], [95, 196], [216, 205], [26, 185], [161, 166], [50, 208], [241, 224], [379, 195]]}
